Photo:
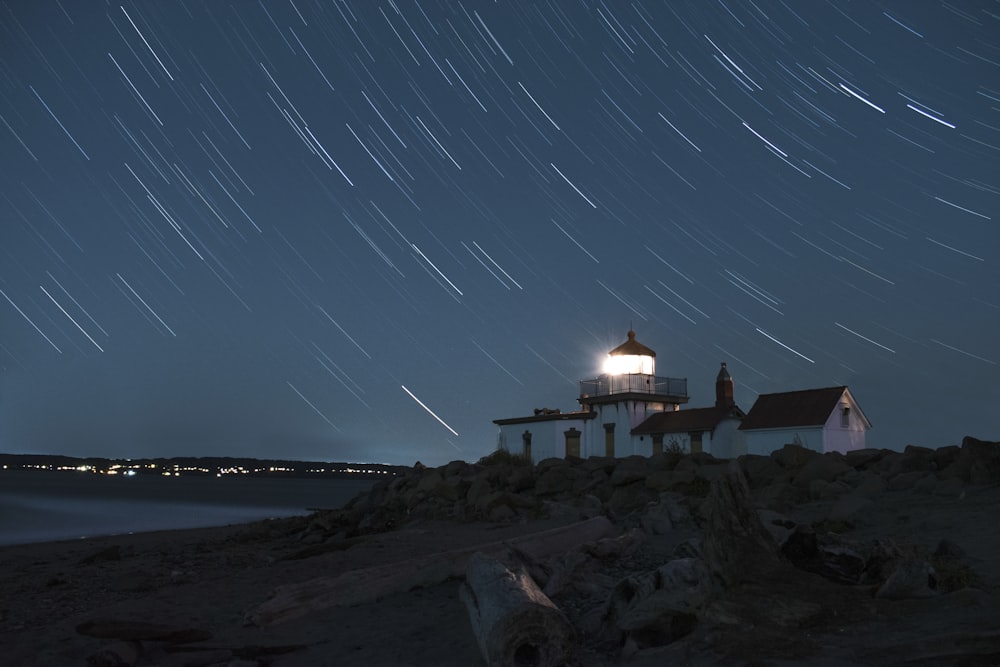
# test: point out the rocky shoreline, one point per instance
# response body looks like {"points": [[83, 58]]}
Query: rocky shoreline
{"points": [[874, 557]]}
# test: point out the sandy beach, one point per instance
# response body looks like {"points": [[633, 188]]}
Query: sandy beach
{"points": [[204, 582]]}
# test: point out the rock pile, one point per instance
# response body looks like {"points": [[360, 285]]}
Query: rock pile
{"points": [[709, 548], [500, 488]]}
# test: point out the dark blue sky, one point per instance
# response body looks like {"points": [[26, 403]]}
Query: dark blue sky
{"points": [[271, 228]]}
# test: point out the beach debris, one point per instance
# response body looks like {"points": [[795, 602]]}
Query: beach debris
{"points": [[370, 584], [515, 623]]}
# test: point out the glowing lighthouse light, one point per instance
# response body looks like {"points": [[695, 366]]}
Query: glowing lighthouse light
{"points": [[630, 358]]}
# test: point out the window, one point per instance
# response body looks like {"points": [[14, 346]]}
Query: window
{"points": [[845, 417], [609, 440], [526, 440]]}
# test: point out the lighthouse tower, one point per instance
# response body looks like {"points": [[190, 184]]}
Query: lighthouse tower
{"points": [[627, 393]]}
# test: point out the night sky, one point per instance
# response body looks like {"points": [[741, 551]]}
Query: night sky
{"points": [[361, 231]]}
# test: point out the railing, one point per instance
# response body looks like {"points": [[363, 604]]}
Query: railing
{"points": [[606, 385]]}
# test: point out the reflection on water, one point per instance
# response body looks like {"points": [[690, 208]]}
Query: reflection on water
{"points": [[38, 506]]}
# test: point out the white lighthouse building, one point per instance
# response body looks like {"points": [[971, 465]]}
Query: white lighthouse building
{"points": [[612, 405], [629, 409]]}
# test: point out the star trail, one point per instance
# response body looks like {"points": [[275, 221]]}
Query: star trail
{"points": [[240, 228]]}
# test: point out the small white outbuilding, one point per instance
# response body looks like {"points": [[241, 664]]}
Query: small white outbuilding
{"points": [[823, 420]]}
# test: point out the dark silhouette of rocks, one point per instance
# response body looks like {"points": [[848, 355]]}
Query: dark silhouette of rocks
{"points": [[754, 557]]}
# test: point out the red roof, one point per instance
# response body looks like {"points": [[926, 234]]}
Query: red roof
{"points": [[809, 407], [686, 421]]}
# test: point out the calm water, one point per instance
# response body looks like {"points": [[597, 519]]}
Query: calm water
{"points": [[38, 506]]}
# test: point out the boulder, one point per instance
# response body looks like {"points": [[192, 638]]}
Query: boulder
{"points": [[949, 488], [628, 498], [605, 464], [850, 506], [978, 462], [834, 490], [659, 607], [906, 480], [913, 459], [945, 456], [760, 470], [480, 487], [869, 485], [824, 467], [912, 578], [456, 467], [861, 459], [551, 462], [430, 481], [629, 470], [816, 488], [792, 457], [777, 496], [711, 471], [521, 478], [553, 480], [736, 544], [661, 516], [659, 480], [779, 525], [842, 564]]}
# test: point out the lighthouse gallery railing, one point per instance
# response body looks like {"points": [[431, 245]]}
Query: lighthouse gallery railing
{"points": [[636, 384]]}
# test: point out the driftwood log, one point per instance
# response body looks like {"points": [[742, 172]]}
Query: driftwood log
{"points": [[515, 623], [367, 585]]}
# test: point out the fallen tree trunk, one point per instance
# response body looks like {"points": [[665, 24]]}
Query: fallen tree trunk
{"points": [[369, 584], [515, 623]]}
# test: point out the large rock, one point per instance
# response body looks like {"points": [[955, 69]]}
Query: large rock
{"points": [[906, 480], [629, 470], [659, 607], [861, 459], [628, 498], [912, 578], [792, 457], [913, 459], [736, 545], [825, 467], [978, 462], [850, 506], [869, 484], [555, 479], [760, 470]]}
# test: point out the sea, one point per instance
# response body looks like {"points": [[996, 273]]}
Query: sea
{"points": [[43, 506]]}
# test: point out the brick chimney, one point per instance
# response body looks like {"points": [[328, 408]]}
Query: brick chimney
{"points": [[724, 389]]}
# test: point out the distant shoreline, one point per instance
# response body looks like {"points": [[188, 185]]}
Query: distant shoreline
{"points": [[200, 466], [48, 505]]}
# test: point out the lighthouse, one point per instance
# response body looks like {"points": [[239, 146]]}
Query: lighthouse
{"points": [[624, 396], [628, 409]]}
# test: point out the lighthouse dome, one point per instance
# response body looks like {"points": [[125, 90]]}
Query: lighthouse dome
{"points": [[630, 357]]}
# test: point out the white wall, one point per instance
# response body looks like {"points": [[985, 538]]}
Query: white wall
{"points": [[625, 415], [548, 438], [838, 438], [727, 441]]}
